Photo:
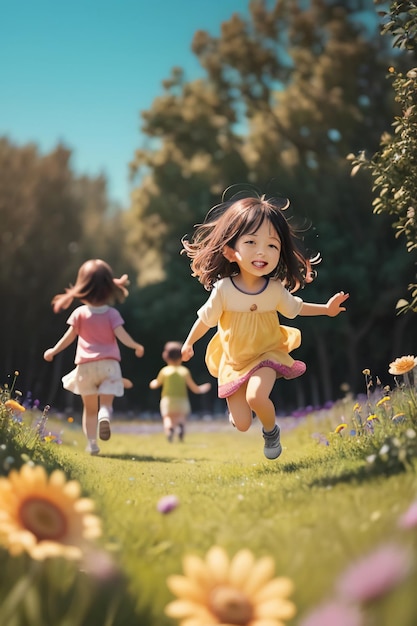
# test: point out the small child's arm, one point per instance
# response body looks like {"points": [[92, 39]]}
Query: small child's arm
{"points": [[154, 384], [124, 337], [198, 389], [332, 308], [65, 341], [198, 331]]}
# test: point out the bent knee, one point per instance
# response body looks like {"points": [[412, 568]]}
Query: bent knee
{"points": [[243, 427]]}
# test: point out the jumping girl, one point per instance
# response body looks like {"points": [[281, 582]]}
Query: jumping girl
{"points": [[246, 254], [97, 377]]}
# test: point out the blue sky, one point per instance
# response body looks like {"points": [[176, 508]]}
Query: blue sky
{"points": [[80, 73]]}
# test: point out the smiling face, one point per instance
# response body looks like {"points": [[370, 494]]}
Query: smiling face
{"points": [[256, 253]]}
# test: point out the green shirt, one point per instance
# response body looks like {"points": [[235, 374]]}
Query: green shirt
{"points": [[173, 380]]}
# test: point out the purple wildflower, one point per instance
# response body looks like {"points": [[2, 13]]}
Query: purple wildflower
{"points": [[409, 518], [334, 614], [376, 574], [167, 504]]}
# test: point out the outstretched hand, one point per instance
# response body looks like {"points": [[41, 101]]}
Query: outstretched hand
{"points": [[48, 355], [334, 304], [187, 352]]}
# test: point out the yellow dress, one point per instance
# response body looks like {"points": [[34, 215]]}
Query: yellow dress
{"points": [[249, 334]]}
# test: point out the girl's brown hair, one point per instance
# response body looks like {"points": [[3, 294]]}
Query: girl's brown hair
{"points": [[95, 285], [228, 221]]}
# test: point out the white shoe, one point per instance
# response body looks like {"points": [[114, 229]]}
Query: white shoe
{"points": [[92, 448], [104, 431]]}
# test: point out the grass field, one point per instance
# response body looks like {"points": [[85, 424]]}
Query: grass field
{"points": [[316, 511]]}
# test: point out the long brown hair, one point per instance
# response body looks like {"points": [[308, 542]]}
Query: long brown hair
{"points": [[95, 285], [228, 221]]}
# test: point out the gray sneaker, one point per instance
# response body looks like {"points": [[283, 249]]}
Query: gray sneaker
{"points": [[272, 447]]}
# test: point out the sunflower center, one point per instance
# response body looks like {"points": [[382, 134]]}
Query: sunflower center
{"points": [[230, 606], [43, 519]]}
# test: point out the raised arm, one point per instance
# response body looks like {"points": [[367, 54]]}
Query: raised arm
{"points": [[65, 341], [127, 341], [332, 308], [198, 331]]}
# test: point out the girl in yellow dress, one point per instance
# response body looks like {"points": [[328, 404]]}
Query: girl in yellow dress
{"points": [[246, 254]]}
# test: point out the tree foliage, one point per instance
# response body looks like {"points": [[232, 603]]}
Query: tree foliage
{"points": [[51, 222], [287, 93], [394, 166]]}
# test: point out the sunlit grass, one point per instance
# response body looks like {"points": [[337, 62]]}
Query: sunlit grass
{"points": [[313, 511], [345, 477]]}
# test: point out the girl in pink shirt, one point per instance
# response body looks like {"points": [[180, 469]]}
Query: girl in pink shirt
{"points": [[97, 376]]}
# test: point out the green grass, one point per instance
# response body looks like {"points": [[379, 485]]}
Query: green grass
{"points": [[315, 510]]}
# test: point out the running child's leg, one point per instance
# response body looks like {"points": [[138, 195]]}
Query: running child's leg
{"points": [[104, 416], [240, 413], [257, 393], [89, 422], [258, 390], [168, 427]]}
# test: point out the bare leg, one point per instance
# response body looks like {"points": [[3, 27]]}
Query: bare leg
{"points": [[168, 427], [90, 413], [240, 411], [258, 390], [178, 422], [104, 415]]}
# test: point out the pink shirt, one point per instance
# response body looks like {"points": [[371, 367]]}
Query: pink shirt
{"points": [[95, 326]]}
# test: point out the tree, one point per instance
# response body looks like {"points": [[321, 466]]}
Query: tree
{"points": [[287, 94], [51, 222], [394, 166]]}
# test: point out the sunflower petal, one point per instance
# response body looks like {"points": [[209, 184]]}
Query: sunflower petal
{"points": [[261, 573], [196, 569], [84, 505], [218, 564], [266, 621], [240, 568], [280, 609], [278, 587], [186, 588], [57, 478], [180, 609], [72, 489], [198, 621]]}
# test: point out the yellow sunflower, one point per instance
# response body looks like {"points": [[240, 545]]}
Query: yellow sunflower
{"points": [[402, 365], [240, 591], [45, 516]]}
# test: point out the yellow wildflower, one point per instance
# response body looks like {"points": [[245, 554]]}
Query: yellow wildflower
{"points": [[339, 428], [383, 400], [45, 516], [240, 591]]}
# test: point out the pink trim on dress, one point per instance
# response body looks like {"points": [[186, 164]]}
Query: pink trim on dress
{"points": [[297, 369]]}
